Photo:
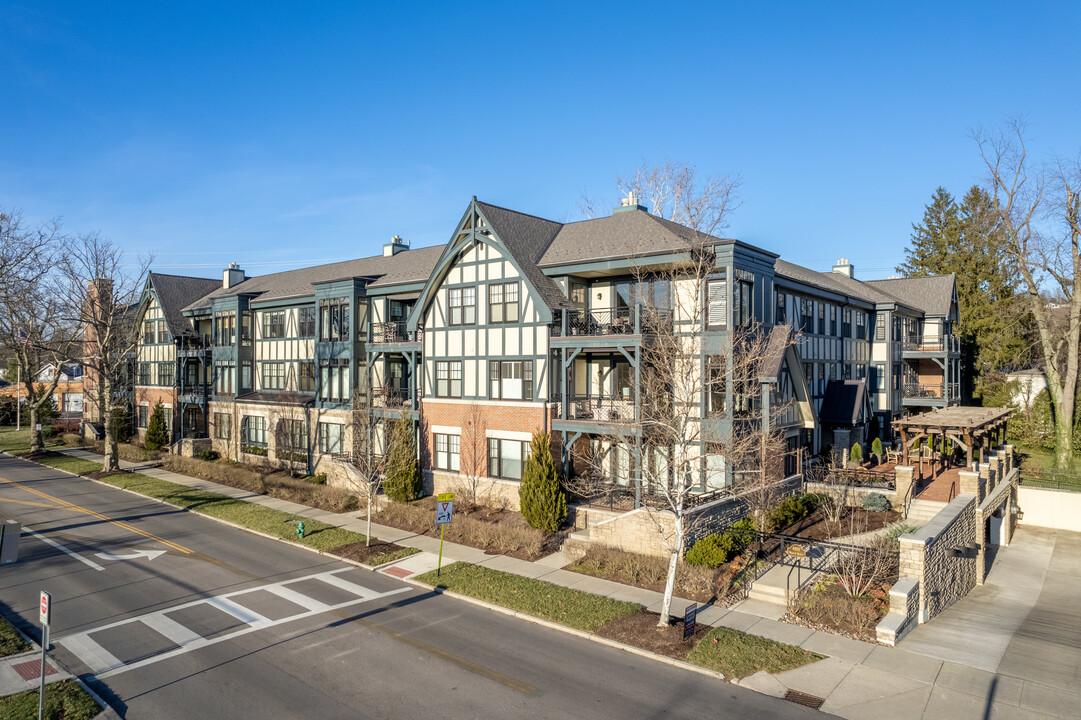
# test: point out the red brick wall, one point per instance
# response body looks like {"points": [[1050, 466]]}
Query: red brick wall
{"points": [[151, 396], [484, 416]]}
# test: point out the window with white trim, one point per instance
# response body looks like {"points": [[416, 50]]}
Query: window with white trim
{"points": [[510, 379], [448, 378], [330, 438], [503, 303], [462, 305], [506, 458], [447, 452]]}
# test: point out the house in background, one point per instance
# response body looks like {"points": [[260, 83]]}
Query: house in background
{"points": [[68, 395], [1027, 386]]}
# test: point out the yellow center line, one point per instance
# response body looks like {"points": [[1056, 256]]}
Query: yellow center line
{"points": [[118, 523], [27, 502]]}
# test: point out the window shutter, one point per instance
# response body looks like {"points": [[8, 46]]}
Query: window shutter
{"points": [[718, 302]]}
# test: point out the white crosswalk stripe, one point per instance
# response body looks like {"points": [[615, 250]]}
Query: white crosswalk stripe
{"points": [[104, 664]]}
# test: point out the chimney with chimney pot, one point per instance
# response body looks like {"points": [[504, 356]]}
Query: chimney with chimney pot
{"points": [[629, 203], [395, 246], [232, 275], [845, 268]]}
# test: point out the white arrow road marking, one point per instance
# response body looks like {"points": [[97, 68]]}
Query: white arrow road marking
{"points": [[148, 554], [58, 546]]}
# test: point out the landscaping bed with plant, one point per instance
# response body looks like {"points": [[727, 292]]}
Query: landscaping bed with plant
{"points": [[694, 582], [64, 700], [732, 653]]}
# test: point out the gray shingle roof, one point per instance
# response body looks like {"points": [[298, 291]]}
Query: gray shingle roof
{"points": [[932, 294], [175, 292], [405, 267], [832, 282], [527, 237]]}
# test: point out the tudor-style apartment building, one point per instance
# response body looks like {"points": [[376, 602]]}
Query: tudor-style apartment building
{"points": [[520, 323]]}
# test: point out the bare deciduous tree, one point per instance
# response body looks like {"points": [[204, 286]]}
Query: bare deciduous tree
{"points": [[472, 487], [1040, 213], [364, 466], [102, 292]]}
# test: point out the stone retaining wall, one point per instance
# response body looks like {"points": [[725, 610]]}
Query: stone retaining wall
{"points": [[941, 556], [903, 614]]}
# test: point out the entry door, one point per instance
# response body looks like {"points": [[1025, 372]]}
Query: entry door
{"points": [[994, 530]]}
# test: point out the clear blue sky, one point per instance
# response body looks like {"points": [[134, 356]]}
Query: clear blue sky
{"points": [[284, 134]]}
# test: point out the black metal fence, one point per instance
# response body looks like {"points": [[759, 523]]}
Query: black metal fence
{"points": [[1050, 479]]}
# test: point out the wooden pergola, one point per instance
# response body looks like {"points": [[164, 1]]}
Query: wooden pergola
{"points": [[968, 427]]}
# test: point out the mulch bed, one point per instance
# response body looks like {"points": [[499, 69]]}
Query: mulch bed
{"points": [[640, 630], [816, 527], [359, 552]]}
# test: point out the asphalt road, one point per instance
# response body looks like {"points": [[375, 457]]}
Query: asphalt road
{"points": [[229, 624]]}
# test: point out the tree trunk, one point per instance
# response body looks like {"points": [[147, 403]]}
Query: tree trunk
{"points": [[368, 533], [670, 581], [1063, 436], [36, 444], [112, 459]]}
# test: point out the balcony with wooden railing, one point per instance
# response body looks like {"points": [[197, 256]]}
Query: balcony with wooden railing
{"points": [[943, 345], [940, 393]]}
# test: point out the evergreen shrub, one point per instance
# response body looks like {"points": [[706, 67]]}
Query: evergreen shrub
{"points": [[157, 436], [543, 503], [403, 481], [875, 502]]}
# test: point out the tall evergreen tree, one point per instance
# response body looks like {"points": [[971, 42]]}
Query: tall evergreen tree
{"points": [[544, 506], [157, 436], [929, 250]]}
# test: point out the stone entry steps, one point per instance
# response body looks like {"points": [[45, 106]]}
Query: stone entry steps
{"points": [[782, 581], [920, 512]]}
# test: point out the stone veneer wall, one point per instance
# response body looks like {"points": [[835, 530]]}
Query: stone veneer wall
{"points": [[929, 557], [903, 614]]}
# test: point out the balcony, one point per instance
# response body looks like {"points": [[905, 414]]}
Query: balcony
{"points": [[195, 397], [605, 323], [931, 393], [601, 410], [194, 347], [393, 333], [948, 345], [390, 397]]}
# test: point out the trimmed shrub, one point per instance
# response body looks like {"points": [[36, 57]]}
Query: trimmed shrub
{"points": [[898, 529], [403, 482], [207, 455], [719, 548], [320, 479], [856, 455], [156, 435], [875, 502], [792, 509], [544, 506], [876, 447]]}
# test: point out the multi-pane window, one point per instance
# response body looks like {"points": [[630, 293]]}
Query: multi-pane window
{"points": [[143, 415], [163, 332], [821, 318], [145, 370], [223, 426], [506, 458], [306, 322], [330, 438], [166, 373], [273, 324], [334, 319], [447, 452], [833, 319], [448, 378], [291, 435], [717, 389], [846, 323], [462, 306], [334, 380], [245, 327], [717, 302], [503, 303], [743, 305], [880, 326], [224, 328], [306, 377], [224, 378], [253, 430], [806, 308], [510, 379], [781, 313], [273, 375], [148, 333], [861, 325]]}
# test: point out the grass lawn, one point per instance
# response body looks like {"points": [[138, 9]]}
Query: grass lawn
{"points": [[392, 556], [573, 608], [11, 643], [255, 517], [64, 700], [15, 441], [737, 655], [69, 463]]}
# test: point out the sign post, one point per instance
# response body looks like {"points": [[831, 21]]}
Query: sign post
{"points": [[690, 619], [444, 514], [45, 616]]}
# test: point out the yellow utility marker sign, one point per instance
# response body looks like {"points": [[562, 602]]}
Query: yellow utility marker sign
{"points": [[64, 504]]}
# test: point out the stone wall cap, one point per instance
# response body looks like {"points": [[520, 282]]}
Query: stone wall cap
{"points": [[904, 586]]}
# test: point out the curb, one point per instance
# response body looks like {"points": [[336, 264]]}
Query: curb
{"points": [[481, 603], [683, 665]]}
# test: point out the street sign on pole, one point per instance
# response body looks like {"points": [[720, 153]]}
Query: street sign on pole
{"points": [[444, 514], [46, 611]]}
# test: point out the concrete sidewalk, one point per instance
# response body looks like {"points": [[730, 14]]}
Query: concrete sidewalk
{"points": [[951, 679]]}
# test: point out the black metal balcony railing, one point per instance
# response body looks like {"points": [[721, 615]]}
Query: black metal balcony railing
{"points": [[600, 409], [195, 346], [390, 397], [616, 321], [933, 391], [946, 344], [198, 397], [393, 332]]}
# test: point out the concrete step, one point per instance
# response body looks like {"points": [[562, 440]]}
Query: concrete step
{"points": [[922, 511]]}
